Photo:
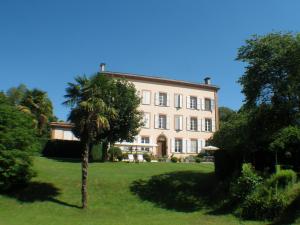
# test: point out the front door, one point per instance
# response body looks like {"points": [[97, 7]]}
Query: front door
{"points": [[161, 147]]}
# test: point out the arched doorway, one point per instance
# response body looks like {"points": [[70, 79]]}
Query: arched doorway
{"points": [[161, 146]]}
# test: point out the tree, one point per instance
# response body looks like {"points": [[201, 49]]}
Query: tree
{"points": [[16, 94], [120, 95], [90, 115], [17, 141], [225, 114]]}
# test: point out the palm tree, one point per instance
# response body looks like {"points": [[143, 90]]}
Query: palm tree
{"points": [[89, 114]]}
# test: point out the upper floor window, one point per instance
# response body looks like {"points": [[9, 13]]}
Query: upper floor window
{"points": [[178, 122], [207, 104], [178, 101], [193, 124], [178, 145], [193, 102], [208, 125], [146, 120], [146, 97], [163, 99], [145, 140], [162, 121]]}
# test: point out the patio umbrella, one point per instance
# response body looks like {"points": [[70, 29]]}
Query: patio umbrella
{"points": [[210, 148]]}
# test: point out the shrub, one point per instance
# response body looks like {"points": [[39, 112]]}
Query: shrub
{"points": [[174, 159], [147, 157], [15, 169], [115, 153], [282, 179], [125, 155], [198, 160], [245, 183], [96, 152]]}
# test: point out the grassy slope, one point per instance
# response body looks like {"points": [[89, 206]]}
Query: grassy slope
{"points": [[110, 200]]}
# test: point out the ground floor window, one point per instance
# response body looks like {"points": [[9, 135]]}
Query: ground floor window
{"points": [[178, 145], [194, 145], [145, 140]]}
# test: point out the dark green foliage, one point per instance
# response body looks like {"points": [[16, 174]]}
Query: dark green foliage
{"points": [[115, 153], [244, 184], [225, 114], [282, 179], [15, 168], [63, 149], [96, 152], [174, 159], [198, 160], [147, 157]]}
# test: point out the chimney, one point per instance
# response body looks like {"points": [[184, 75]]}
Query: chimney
{"points": [[207, 80], [102, 67]]}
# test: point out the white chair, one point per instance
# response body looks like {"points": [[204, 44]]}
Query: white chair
{"points": [[140, 158], [130, 158]]}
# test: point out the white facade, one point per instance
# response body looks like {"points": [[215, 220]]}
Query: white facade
{"points": [[178, 116]]}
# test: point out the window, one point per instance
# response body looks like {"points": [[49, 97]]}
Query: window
{"points": [[194, 145], [178, 122], [162, 121], [193, 124], [178, 145], [145, 140], [146, 96], [162, 99], [208, 125], [178, 101], [193, 102], [146, 120], [207, 104]]}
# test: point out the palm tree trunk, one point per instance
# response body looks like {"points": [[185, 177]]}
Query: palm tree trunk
{"points": [[84, 169]]}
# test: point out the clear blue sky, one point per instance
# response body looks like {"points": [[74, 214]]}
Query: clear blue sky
{"points": [[44, 44]]}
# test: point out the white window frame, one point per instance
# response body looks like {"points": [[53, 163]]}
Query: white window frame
{"points": [[193, 123], [208, 124], [209, 104], [147, 123], [163, 99], [193, 102], [145, 141], [162, 121], [146, 97], [178, 145], [191, 146]]}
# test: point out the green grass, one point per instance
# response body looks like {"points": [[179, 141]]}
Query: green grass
{"points": [[54, 196]]}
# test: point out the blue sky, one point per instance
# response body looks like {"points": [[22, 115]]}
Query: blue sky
{"points": [[44, 44]]}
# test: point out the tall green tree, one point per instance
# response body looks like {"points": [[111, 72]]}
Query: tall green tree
{"points": [[90, 115]]}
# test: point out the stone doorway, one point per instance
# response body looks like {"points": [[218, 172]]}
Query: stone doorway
{"points": [[161, 146]]}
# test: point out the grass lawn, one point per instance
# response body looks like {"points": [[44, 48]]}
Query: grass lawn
{"points": [[54, 196]]}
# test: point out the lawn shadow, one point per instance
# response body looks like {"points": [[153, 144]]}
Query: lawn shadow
{"points": [[37, 191], [184, 191], [69, 160]]}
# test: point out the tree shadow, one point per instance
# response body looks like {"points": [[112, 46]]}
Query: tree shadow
{"points": [[37, 191], [69, 160], [184, 191]]}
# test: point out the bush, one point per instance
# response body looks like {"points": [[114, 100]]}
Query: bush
{"points": [[198, 160], [147, 157], [282, 179], [15, 169], [245, 184], [115, 153], [96, 152], [174, 159], [63, 149], [125, 155]]}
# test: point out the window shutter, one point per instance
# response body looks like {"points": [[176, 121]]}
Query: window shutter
{"points": [[212, 104], [156, 121], [198, 103], [203, 143], [180, 101], [172, 145], [168, 122], [184, 145], [139, 139], [188, 149], [203, 104], [143, 97], [199, 124], [199, 145], [188, 123], [156, 96], [213, 125], [203, 124], [168, 99], [177, 123], [176, 96], [181, 123], [188, 102], [147, 120]]}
